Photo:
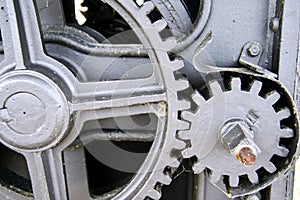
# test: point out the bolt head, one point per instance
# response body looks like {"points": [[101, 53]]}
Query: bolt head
{"points": [[247, 156], [254, 50]]}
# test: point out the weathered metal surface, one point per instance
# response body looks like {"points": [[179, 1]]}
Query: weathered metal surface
{"points": [[65, 89]]}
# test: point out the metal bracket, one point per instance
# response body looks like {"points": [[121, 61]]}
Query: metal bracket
{"points": [[250, 58]]}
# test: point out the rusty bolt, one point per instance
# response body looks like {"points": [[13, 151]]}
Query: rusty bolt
{"points": [[239, 141], [247, 156], [254, 50]]}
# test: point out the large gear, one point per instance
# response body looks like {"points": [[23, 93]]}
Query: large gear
{"points": [[250, 107], [161, 159], [158, 175]]}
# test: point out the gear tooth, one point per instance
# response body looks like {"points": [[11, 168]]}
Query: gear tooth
{"points": [[178, 144], [187, 153], [253, 177], [215, 176], [147, 7], [236, 84], [177, 64], [160, 24], [169, 43], [181, 84], [184, 105], [273, 97], [184, 135], [282, 151], [284, 113], [256, 87], [165, 179], [188, 116], [154, 194], [234, 181], [287, 133], [215, 88], [270, 167], [198, 168], [183, 125], [175, 163], [198, 98]]}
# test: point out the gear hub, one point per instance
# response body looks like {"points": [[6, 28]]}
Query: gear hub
{"points": [[29, 97], [237, 134]]}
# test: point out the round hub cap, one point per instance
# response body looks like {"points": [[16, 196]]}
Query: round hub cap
{"points": [[34, 112]]}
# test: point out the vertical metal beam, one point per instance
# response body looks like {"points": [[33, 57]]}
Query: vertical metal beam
{"points": [[288, 75], [288, 51]]}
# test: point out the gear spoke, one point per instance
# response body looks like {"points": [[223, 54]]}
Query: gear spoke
{"points": [[25, 34], [19, 23], [119, 103], [115, 89], [118, 136], [75, 163], [88, 115], [157, 108], [47, 176], [11, 32]]}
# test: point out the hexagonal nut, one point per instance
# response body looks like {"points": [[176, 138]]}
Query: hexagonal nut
{"points": [[233, 135], [254, 50]]}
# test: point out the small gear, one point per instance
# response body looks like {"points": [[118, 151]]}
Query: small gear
{"points": [[255, 111]]}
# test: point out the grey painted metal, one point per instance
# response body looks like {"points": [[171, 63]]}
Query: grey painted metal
{"points": [[238, 139], [176, 15], [75, 163], [82, 42], [50, 12], [288, 51], [89, 86], [30, 98], [45, 165], [288, 67], [236, 104], [224, 22], [251, 56]]}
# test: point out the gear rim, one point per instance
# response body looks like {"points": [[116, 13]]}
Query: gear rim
{"points": [[248, 188], [151, 188]]}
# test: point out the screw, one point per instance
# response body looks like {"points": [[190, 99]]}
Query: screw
{"points": [[239, 141], [254, 50], [247, 156]]}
